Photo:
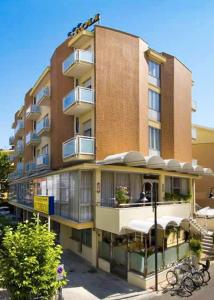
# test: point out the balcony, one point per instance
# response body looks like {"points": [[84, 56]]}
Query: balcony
{"points": [[43, 126], [32, 139], [116, 219], [80, 100], [30, 167], [79, 148], [19, 130], [12, 140], [33, 112], [194, 106], [19, 169], [78, 63], [42, 161], [19, 150], [43, 96], [154, 115]]}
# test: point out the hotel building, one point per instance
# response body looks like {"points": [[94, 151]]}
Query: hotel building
{"points": [[110, 112]]}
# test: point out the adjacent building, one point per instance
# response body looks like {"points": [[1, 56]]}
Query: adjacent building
{"points": [[106, 130]]}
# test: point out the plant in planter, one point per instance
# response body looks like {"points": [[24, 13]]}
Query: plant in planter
{"points": [[122, 195], [195, 246], [187, 197], [168, 197]]}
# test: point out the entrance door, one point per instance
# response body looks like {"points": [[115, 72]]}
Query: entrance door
{"points": [[150, 188]]}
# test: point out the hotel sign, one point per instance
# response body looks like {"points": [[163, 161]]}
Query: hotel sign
{"points": [[83, 26], [44, 204]]}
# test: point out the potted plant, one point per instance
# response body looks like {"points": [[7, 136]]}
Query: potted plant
{"points": [[122, 195]]}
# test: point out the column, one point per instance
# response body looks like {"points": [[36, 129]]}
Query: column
{"points": [[161, 188], [145, 257], [177, 242], [163, 245]]}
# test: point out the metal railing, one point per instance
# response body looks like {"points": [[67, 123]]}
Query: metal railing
{"points": [[113, 203], [44, 92], [79, 94], [78, 145], [76, 56]]}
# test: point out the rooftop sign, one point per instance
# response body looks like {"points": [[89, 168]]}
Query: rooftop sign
{"points": [[84, 26]]}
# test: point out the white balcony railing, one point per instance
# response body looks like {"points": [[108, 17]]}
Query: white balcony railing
{"points": [[77, 56], [78, 145], [77, 95], [43, 93]]}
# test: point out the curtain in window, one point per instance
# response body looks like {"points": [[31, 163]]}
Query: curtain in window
{"points": [[74, 196], [107, 189], [184, 186], [64, 195], [168, 184], [86, 196], [135, 186]]}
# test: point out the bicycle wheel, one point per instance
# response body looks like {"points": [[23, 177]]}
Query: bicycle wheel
{"points": [[198, 279], [206, 276], [188, 284], [171, 278], [185, 267]]}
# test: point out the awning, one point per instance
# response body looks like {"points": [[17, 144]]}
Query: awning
{"points": [[137, 159], [206, 212], [146, 225]]}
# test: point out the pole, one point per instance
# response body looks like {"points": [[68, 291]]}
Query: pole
{"points": [[49, 223], [156, 244]]}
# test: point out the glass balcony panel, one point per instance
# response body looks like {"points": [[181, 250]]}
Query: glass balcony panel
{"points": [[19, 126], [79, 94], [19, 147], [70, 148], [43, 124], [44, 92], [42, 160], [32, 137], [11, 140], [77, 55], [86, 145], [33, 109]]}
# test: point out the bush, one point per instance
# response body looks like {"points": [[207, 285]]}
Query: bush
{"points": [[29, 260], [195, 246]]}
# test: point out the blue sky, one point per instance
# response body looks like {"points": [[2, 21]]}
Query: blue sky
{"points": [[30, 30]]}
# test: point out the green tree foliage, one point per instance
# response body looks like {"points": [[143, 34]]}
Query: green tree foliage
{"points": [[29, 259], [5, 169]]}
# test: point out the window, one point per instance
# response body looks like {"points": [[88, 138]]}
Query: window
{"points": [[87, 237], [154, 69], [176, 185], [154, 138], [77, 125], [87, 83], [154, 100], [87, 128]]}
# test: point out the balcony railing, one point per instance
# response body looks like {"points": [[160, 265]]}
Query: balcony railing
{"points": [[33, 112], [30, 167], [43, 93], [77, 56], [42, 126], [19, 127], [11, 140], [77, 96], [194, 133], [32, 138], [19, 147], [78, 145], [42, 161]]}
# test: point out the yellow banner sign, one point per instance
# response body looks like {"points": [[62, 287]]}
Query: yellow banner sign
{"points": [[44, 204]]}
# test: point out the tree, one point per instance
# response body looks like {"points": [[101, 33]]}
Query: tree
{"points": [[5, 169], [29, 259]]}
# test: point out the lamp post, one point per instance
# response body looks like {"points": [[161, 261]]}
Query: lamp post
{"points": [[156, 238]]}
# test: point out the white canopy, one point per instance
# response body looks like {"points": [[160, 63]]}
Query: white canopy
{"points": [[206, 212], [136, 158], [146, 225]]}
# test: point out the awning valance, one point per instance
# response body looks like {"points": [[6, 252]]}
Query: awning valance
{"points": [[144, 226], [137, 159]]}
